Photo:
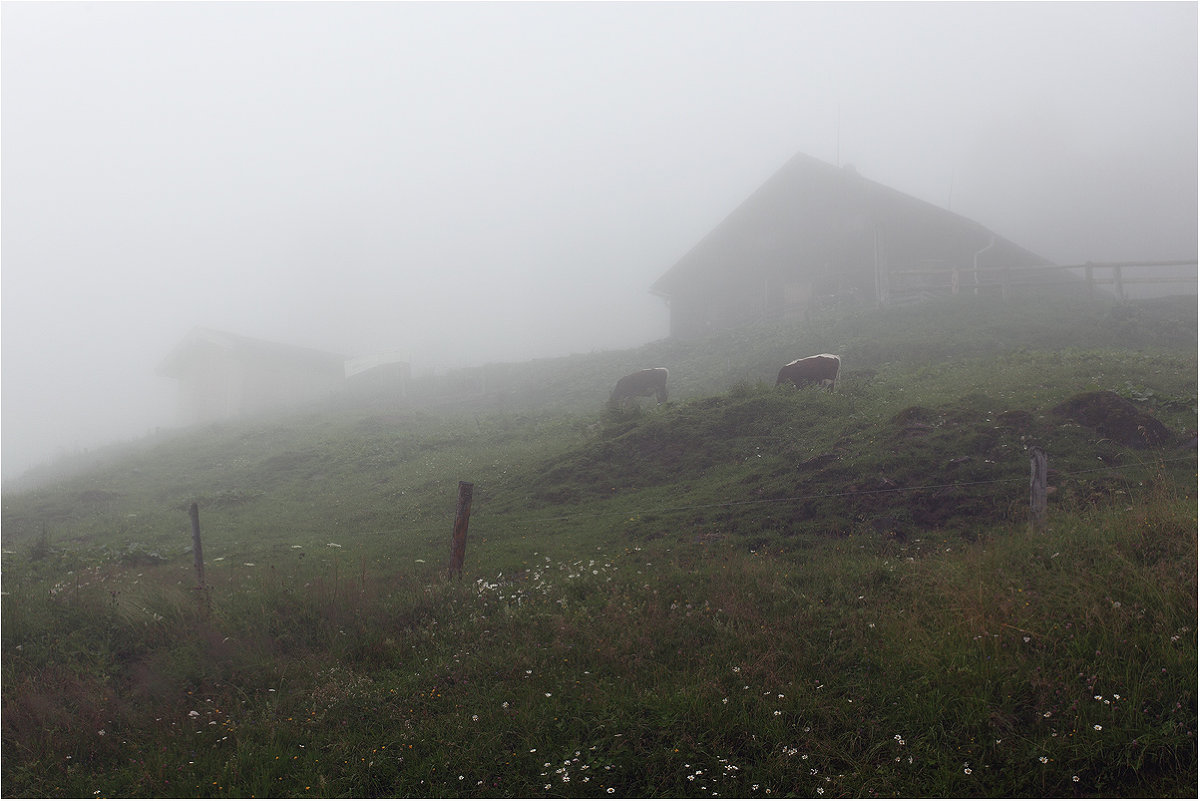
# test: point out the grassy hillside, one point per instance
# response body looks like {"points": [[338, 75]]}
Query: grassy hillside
{"points": [[747, 591]]}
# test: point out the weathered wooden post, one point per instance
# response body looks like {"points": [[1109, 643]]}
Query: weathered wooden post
{"points": [[1038, 466], [1117, 280], [458, 549], [198, 553]]}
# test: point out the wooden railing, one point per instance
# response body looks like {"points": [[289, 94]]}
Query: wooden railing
{"points": [[968, 279]]}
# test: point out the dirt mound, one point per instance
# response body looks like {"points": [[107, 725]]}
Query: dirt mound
{"points": [[1116, 418]]}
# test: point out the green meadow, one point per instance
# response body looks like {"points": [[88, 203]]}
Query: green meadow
{"points": [[748, 591]]}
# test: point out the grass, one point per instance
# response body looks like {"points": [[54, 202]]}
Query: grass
{"points": [[679, 669], [744, 593]]}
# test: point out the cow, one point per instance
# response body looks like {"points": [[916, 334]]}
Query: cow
{"points": [[640, 384], [812, 370]]}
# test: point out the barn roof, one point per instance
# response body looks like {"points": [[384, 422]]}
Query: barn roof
{"points": [[363, 364], [801, 218], [258, 351]]}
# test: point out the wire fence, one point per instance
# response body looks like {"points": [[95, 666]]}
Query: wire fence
{"points": [[850, 493], [460, 533], [639, 512]]}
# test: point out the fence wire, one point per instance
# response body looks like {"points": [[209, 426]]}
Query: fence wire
{"points": [[848, 493], [798, 498]]}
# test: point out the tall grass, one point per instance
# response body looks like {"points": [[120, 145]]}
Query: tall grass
{"points": [[1059, 663]]}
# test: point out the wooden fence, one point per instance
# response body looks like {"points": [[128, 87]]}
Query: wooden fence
{"points": [[905, 284]]}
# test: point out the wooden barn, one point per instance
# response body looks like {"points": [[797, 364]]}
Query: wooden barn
{"points": [[815, 235], [378, 376], [223, 375]]}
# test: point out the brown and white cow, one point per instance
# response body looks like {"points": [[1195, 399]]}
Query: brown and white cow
{"points": [[652, 381], [811, 370]]}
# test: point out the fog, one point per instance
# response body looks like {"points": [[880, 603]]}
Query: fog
{"points": [[470, 183]]}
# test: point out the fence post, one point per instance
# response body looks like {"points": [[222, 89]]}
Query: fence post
{"points": [[1038, 466], [1117, 280], [198, 553], [881, 286], [458, 549]]}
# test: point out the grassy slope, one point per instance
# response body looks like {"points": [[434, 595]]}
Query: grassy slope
{"points": [[690, 597]]}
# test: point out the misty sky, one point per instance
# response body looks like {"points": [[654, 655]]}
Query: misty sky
{"points": [[468, 183]]}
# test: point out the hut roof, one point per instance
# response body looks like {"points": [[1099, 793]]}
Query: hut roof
{"points": [[802, 217], [258, 351]]}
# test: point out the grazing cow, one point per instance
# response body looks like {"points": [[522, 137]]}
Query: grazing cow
{"points": [[642, 383], [812, 370]]}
